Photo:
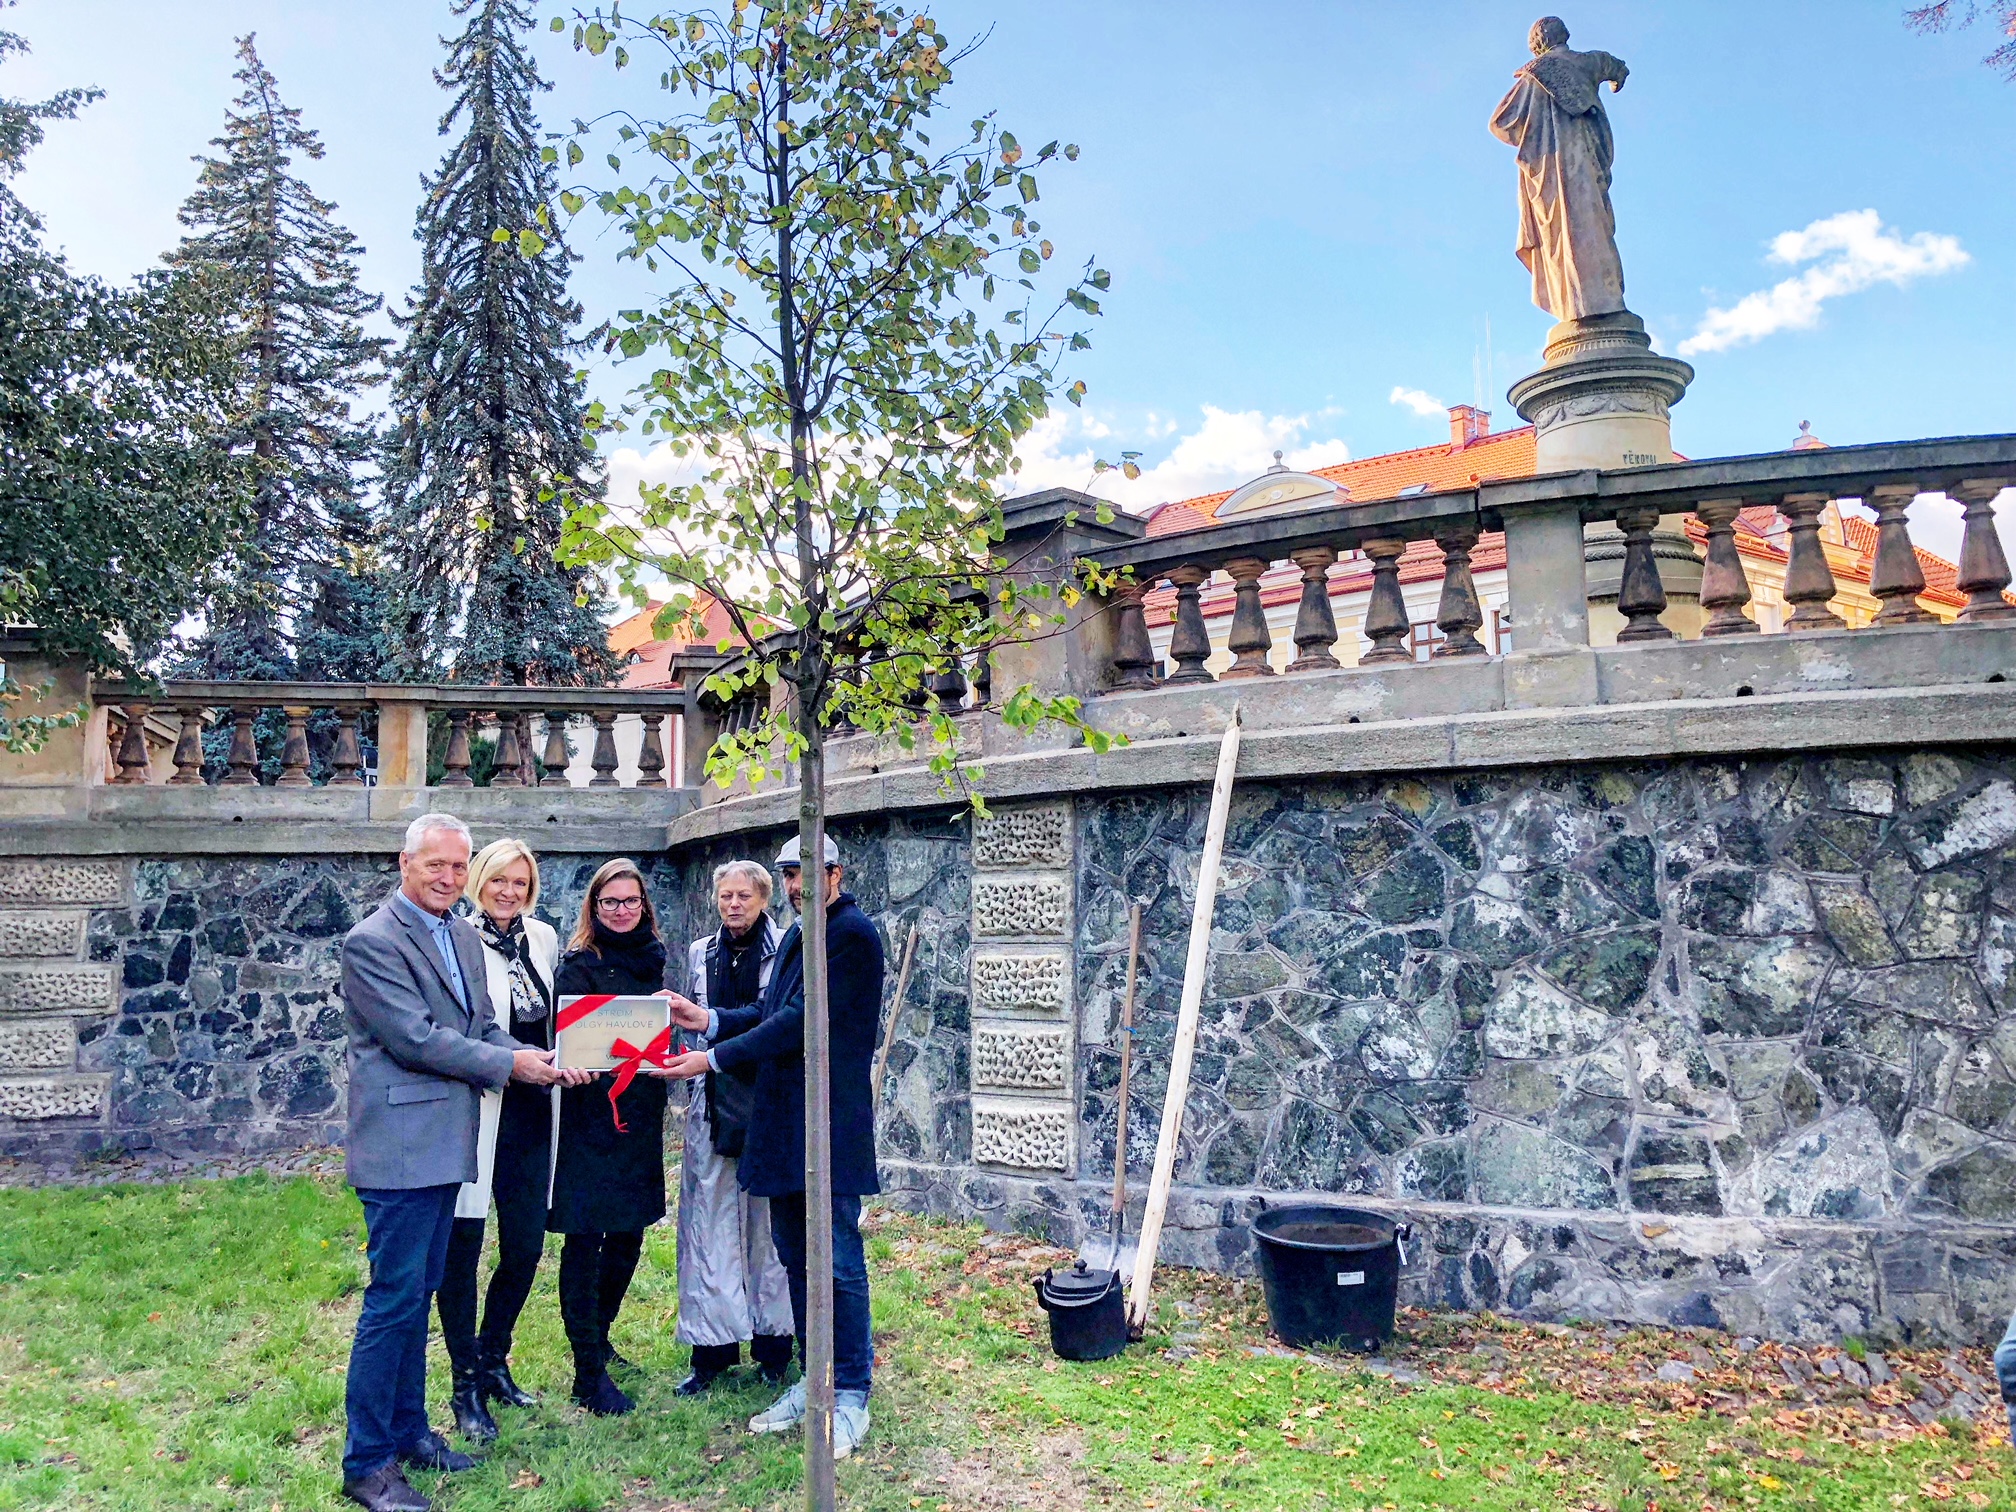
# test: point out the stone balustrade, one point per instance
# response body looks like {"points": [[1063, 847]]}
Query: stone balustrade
{"points": [[1543, 520], [400, 714]]}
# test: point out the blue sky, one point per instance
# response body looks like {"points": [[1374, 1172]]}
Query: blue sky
{"points": [[1300, 204]]}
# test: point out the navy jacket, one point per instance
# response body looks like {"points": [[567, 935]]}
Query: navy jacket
{"points": [[770, 1039]]}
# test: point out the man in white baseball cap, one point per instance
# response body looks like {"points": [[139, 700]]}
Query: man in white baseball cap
{"points": [[770, 1040]]}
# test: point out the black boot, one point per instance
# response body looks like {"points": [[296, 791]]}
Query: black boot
{"points": [[471, 1418], [593, 1390], [493, 1379], [772, 1355], [709, 1362]]}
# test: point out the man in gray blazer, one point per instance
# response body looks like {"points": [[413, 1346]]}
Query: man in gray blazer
{"points": [[423, 1044]]}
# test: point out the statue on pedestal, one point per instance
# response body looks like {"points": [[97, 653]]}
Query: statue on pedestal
{"points": [[1554, 117]]}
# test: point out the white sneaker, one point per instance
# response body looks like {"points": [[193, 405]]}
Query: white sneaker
{"points": [[850, 1426], [782, 1415]]}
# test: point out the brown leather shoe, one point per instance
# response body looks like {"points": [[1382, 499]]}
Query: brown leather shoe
{"points": [[386, 1490]]}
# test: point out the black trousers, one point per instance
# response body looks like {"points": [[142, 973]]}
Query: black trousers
{"points": [[518, 1187], [595, 1272]]}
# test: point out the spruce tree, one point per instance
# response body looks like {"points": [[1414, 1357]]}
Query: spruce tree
{"points": [[289, 272], [490, 417]]}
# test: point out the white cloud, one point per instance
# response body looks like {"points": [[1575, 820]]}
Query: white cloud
{"points": [[1228, 448], [1859, 252], [1421, 403]]}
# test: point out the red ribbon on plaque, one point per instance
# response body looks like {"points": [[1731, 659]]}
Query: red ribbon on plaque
{"points": [[630, 1058]]}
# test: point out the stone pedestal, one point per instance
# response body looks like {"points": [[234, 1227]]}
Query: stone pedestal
{"points": [[1602, 399]]}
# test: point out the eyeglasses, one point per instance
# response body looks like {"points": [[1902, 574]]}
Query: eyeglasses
{"points": [[618, 905]]}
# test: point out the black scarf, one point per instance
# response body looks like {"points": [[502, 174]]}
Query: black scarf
{"points": [[735, 967], [637, 951], [530, 997]]}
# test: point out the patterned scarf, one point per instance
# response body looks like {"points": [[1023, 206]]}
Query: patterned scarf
{"points": [[528, 993]]}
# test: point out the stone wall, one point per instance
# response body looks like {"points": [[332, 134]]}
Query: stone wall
{"points": [[190, 1005], [1713, 1042]]}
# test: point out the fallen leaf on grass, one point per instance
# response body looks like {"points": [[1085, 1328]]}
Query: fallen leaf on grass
{"points": [[527, 1480]]}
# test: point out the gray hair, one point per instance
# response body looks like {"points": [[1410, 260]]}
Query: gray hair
{"points": [[418, 831], [752, 872]]}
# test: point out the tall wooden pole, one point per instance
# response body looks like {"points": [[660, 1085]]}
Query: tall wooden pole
{"points": [[1186, 1027]]}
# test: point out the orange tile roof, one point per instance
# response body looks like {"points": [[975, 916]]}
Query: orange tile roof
{"points": [[650, 659], [1509, 454]]}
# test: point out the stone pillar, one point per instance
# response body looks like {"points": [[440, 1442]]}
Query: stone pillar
{"points": [[1601, 399], [1045, 534], [49, 783], [46, 988], [1024, 1060]]}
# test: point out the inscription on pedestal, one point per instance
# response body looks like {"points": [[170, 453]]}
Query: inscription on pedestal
{"points": [[59, 882], [25, 933], [1005, 906], [1036, 1137]]}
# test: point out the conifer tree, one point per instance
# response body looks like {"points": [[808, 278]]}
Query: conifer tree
{"points": [[489, 408], [289, 272]]}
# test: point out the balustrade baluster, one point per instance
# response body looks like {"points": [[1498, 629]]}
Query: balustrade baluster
{"points": [[189, 750], [1459, 616], [1896, 578], [243, 760], [948, 686], [346, 761], [916, 699], [528, 764], [1725, 587], [132, 760], [1984, 570], [1133, 653], [651, 753], [1315, 624], [603, 759], [1641, 597], [294, 750], [555, 759], [1189, 641], [456, 761], [1386, 622], [1250, 640], [983, 679], [1809, 581], [507, 768]]}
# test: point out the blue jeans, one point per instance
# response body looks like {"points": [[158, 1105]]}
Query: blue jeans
{"points": [[853, 1341], [385, 1398]]}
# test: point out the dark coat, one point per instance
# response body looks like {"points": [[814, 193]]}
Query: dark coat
{"points": [[770, 1038], [603, 1181]]}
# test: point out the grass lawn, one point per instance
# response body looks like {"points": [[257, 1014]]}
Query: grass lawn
{"points": [[183, 1347]]}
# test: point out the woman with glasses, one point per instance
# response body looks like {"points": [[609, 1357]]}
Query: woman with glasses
{"points": [[608, 1183], [513, 1145]]}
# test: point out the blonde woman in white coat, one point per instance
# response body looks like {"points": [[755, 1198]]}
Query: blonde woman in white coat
{"points": [[731, 1286], [514, 1143]]}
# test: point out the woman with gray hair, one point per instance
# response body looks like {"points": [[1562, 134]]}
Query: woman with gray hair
{"points": [[731, 1286]]}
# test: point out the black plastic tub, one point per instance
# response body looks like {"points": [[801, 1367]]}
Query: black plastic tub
{"points": [[1331, 1273]]}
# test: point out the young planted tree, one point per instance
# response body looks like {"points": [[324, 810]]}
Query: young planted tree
{"points": [[490, 416], [119, 489], [851, 344], [288, 275]]}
